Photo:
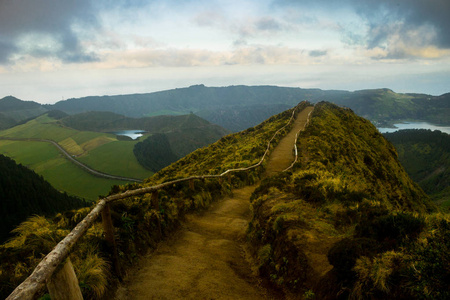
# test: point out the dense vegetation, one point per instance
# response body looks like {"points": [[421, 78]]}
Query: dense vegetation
{"points": [[140, 222], [24, 193], [425, 154], [154, 152], [347, 221]]}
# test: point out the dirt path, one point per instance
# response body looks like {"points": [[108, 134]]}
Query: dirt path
{"points": [[283, 156], [207, 257]]}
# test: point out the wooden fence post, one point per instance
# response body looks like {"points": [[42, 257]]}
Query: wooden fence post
{"points": [[64, 283], [108, 229], [154, 200], [155, 205]]}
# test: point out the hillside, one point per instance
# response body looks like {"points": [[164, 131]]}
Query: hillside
{"points": [[239, 107], [425, 154], [346, 212], [100, 151], [345, 222], [226, 106], [139, 224], [13, 111], [24, 193], [85, 136], [168, 138]]}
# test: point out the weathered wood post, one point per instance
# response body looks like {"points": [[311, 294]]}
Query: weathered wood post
{"points": [[154, 200], [191, 184], [108, 229], [64, 283]]}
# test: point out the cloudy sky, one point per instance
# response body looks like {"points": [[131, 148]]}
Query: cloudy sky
{"points": [[52, 50]]}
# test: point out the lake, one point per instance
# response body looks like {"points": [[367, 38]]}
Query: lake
{"points": [[415, 125], [134, 134]]}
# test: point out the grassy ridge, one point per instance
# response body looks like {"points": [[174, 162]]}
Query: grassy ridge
{"points": [[347, 220]]}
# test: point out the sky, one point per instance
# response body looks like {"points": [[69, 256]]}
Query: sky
{"points": [[54, 50]]}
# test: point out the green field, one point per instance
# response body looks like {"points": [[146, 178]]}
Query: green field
{"points": [[114, 152], [47, 161], [100, 151]]}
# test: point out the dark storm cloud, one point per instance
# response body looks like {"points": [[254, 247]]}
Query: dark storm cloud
{"points": [[55, 19], [386, 18], [411, 13]]}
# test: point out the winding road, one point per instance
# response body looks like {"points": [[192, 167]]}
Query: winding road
{"points": [[72, 159]]}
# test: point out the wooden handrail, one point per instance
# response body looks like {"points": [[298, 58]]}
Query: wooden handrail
{"points": [[295, 143], [45, 269]]}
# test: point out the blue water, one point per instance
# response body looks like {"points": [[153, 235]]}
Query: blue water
{"points": [[134, 134], [415, 125]]}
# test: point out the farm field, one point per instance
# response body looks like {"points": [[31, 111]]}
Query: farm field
{"points": [[47, 161], [109, 159], [100, 151], [86, 146]]}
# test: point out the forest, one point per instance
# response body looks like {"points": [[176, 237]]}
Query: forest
{"points": [[23, 193], [425, 154]]}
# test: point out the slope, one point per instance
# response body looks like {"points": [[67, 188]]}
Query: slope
{"points": [[168, 138], [425, 154], [24, 193], [140, 222], [346, 200], [207, 257], [13, 109], [100, 151]]}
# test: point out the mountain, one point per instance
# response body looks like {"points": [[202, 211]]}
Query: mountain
{"points": [[24, 193], [425, 154], [13, 110], [239, 107]]}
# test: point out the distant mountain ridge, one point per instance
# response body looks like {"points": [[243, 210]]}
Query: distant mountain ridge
{"points": [[239, 107]]}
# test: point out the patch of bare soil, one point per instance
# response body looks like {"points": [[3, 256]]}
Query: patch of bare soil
{"points": [[207, 257]]}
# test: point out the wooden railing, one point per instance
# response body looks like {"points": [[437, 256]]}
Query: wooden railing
{"points": [[60, 278], [295, 143]]}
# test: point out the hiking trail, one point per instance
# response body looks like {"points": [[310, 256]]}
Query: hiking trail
{"points": [[207, 257]]}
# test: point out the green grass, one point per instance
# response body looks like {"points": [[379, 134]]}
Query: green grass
{"points": [[109, 159], [100, 151], [45, 160]]}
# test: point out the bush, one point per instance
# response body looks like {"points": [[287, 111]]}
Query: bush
{"points": [[429, 271]]}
